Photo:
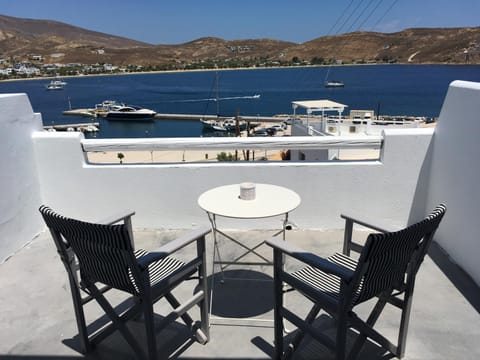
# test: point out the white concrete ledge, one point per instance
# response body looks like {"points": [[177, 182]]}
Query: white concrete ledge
{"points": [[252, 143]]}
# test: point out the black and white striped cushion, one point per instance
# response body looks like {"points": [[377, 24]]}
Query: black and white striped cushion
{"points": [[324, 282], [158, 270]]}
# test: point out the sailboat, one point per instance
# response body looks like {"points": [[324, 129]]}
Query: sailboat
{"points": [[332, 83], [226, 125]]}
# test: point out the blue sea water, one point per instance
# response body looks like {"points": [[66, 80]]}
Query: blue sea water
{"points": [[416, 90]]}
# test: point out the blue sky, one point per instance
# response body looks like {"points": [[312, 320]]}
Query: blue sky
{"points": [[179, 21]]}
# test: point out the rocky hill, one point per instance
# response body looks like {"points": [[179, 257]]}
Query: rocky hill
{"points": [[57, 42]]}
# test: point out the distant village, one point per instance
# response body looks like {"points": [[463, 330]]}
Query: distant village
{"points": [[35, 66]]}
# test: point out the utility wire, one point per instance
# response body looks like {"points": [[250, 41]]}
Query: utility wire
{"points": [[359, 16], [339, 18], [385, 13], [370, 14]]}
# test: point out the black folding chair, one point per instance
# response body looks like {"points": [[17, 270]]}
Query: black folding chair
{"points": [[101, 256], [385, 269]]}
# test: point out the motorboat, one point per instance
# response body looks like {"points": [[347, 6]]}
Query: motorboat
{"points": [[56, 85], [115, 110], [334, 83], [127, 112]]}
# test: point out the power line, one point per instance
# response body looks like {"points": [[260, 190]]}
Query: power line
{"points": [[351, 14], [370, 14], [386, 12], [340, 17], [359, 16]]}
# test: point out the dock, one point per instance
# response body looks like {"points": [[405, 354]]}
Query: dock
{"points": [[185, 117], [82, 127]]}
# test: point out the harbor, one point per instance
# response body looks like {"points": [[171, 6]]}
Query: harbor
{"points": [[181, 100]]}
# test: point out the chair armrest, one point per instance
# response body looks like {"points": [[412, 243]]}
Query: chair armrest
{"points": [[310, 259], [115, 218], [367, 223], [173, 246], [348, 244]]}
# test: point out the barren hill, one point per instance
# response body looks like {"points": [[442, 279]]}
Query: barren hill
{"points": [[421, 45], [62, 43]]}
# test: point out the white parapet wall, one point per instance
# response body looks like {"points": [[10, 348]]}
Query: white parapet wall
{"points": [[19, 186], [455, 173], [165, 195]]}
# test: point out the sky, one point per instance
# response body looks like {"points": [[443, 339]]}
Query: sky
{"points": [[180, 21]]}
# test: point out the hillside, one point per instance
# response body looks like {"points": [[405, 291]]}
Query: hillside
{"points": [[62, 43]]}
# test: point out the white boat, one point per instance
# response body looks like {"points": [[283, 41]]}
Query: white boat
{"points": [[334, 83], [227, 125], [114, 110], [213, 125], [127, 112], [56, 85]]}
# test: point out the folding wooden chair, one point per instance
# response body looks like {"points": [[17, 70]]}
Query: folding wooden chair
{"points": [[100, 256], [385, 269]]}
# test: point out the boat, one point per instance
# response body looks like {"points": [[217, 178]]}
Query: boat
{"points": [[56, 85], [115, 110], [334, 83], [227, 125], [127, 112]]}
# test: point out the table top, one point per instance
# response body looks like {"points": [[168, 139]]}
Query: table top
{"points": [[270, 200]]}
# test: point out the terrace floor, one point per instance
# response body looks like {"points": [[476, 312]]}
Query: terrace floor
{"points": [[37, 319]]}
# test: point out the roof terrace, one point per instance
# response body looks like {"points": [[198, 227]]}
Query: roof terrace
{"points": [[416, 169]]}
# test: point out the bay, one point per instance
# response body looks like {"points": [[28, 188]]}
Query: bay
{"points": [[412, 90]]}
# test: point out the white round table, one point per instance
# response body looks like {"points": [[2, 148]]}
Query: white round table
{"points": [[270, 200]]}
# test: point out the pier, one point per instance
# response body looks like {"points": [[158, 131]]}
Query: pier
{"points": [[83, 127], [379, 120], [186, 117]]}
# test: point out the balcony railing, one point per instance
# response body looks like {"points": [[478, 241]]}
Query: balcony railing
{"points": [[218, 144]]}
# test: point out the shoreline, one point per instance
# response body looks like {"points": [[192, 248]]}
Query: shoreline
{"points": [[36, 78]]}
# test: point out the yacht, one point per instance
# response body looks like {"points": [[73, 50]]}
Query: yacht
{"points": [[56, 85], [114, 110], [127, 112]]}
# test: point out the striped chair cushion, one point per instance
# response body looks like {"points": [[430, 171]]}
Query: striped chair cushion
{"points": [[324, 282], [158, 270]]}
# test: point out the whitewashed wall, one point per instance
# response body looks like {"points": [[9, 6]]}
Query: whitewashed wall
{"points": [[455, 173], [19, 188], [165, 196]]}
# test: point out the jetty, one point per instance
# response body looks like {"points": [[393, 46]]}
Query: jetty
{"points": [[377, 119], [187, 117], [82, 127]]}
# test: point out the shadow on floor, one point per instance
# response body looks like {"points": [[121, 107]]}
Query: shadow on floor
{"points": [[241, 293]]}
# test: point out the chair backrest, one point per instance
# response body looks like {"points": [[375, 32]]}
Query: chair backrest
{"points": [[388, 260], [104, 252]]}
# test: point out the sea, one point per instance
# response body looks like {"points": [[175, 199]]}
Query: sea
{"points": [[411, 90]]}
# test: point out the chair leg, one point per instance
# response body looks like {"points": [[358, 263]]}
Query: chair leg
{"points": [[341, 338], [402, 335], [85, 345], [278, 301], [202, 274], [293, 345], [120, 325], [149, 327], [372, 319]]}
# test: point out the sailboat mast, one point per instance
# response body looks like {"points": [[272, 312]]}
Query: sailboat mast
{"points": [[217, 98]]}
